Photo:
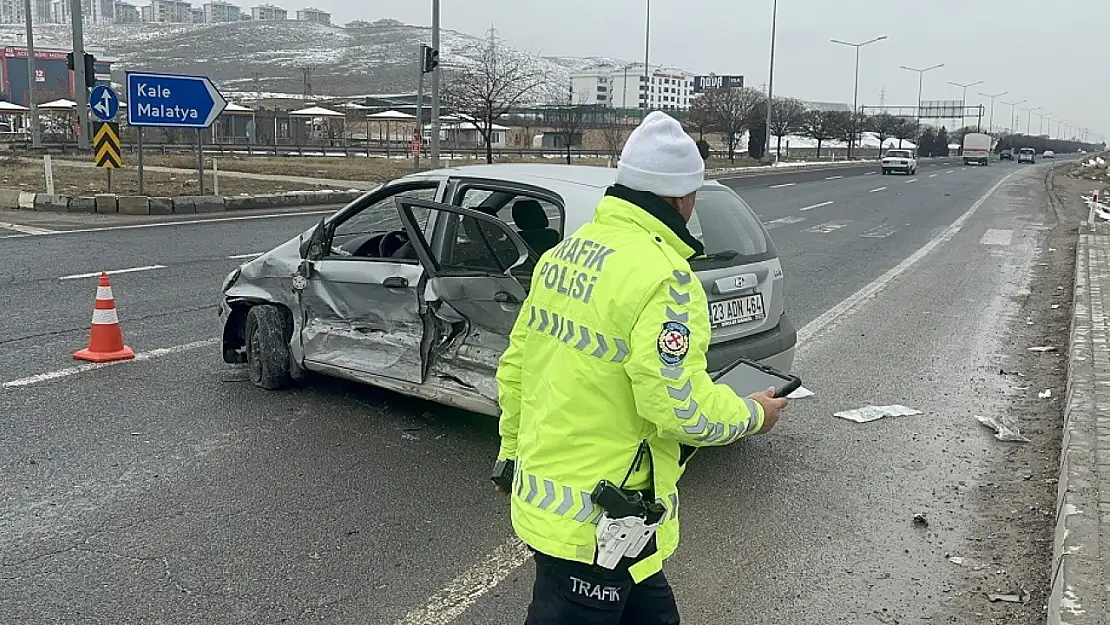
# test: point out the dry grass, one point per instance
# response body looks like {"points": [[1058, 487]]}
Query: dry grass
{"points": [[77, 181]]}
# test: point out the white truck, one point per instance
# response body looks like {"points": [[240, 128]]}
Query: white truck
{"points": [[977, 148]]}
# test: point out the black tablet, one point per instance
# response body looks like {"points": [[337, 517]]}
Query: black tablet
{"points": [[747, 377]]}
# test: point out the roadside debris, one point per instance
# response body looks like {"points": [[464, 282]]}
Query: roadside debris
{"points": [[868, 414], [1055, 306], [920, 520], [957, 560], [1021, 596], [1042, 349], [801, 393], [1045, 394], [1003, 431], [1005, 372]]}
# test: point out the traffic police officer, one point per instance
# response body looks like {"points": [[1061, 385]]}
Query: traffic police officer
{"points": [[604, 385]]}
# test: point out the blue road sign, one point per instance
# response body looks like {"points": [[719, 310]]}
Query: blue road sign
{"points": [[104, 103], [172, 101]]}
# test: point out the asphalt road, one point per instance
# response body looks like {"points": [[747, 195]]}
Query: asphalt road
{"points": [[170, 490]]}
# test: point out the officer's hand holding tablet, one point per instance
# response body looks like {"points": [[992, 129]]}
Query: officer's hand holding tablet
{"points": [[764, 384]]}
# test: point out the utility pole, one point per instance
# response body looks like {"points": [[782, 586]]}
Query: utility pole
{"points": [[1013, 114], [80, 87], [882, 98], [855, 98], [419, 106], [435, 87], [771, 80], [36, 132]]}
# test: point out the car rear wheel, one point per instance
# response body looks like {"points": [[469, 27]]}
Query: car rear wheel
{"points": [[267, 332]]}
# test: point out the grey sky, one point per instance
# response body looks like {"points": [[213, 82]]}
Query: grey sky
{"points": [[1046, 52]]}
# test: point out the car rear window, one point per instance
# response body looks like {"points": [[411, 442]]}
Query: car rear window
{"points": [[725, 223], [899, 154]]}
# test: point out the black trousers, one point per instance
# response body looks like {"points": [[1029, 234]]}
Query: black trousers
{"points": [[572, 593]]}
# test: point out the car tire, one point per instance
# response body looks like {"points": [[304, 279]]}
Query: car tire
{"points": [[885, 172], [267, 342]]}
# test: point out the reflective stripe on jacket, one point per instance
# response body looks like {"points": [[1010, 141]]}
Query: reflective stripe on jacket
{"points": [[609, 350]]}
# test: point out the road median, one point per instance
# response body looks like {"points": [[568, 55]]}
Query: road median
{"points": [[108, 203]]}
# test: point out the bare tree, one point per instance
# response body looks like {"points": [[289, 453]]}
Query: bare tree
{"points": [[787, 119], [613, 136], [884, 125], [568, 120], [825, 125], [498, 80], [733, 111], [702, 117], [907, 129]]}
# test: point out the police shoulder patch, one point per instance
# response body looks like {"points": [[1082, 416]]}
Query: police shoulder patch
{"points": [[674, 343]]}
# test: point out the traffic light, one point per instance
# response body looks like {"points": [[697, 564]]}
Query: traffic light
{"points": [[90, 68], [90, 71], [431, 59]]}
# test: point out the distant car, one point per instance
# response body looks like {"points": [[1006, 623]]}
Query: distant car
{"points": [[1006, 155], [1027, 155], [899, 160], [415, 286], [1049, 154]]}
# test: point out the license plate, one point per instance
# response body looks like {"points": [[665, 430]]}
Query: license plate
{"points": [[731, 312]]}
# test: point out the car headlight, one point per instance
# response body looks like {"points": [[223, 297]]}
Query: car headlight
{"points": [[230, 279]]}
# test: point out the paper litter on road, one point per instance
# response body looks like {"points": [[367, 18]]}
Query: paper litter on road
{"points": [[801, 393], [1021, 596], [1003, 431], [868, 414], [957, 560], [1042, 349], [1045, 394], [1055, 306]]}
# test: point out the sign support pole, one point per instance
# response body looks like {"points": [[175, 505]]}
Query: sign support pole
{"points": [[142, 185], [419, 109], [200, 158], [109, 170], [81, 91]]}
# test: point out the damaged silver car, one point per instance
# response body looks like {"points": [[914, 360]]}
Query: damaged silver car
{"points": [[415, 286]]}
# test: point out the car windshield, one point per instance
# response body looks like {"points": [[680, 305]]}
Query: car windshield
{"points": [[728, 228], [899, 154]]}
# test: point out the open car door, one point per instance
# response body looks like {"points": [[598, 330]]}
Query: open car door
{"points": [[471, 295]]}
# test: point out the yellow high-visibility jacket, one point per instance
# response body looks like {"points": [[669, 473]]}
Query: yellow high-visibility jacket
{"points": [[609, 352]]}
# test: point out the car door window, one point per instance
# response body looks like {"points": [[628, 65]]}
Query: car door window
{"points": [[375, 231]]}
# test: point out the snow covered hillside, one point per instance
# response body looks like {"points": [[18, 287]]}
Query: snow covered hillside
{"points": [[378, 57]]}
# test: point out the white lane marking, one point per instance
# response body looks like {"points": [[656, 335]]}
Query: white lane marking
{"points": [[244, 256], [877, 190], [997, 237], [950, 171], [878, 232], [933, 175], [462, 592], [849, 306], [782, 186], [167, 224], [140, 357], [827, 227], [24, 229], [809, 208], [78, 276], [771, 225], [870, 173], [911, 180], [834, 178]]}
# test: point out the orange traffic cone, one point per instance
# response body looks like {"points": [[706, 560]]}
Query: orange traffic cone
{"points": [[106, 338]]}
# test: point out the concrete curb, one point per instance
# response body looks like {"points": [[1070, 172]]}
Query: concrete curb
{"points": [[1083, 497], [13, 199]]}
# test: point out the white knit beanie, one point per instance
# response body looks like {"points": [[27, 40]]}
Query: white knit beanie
{"points": [[661, 158]]}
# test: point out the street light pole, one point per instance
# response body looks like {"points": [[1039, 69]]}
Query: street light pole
{"points": [[990, 124], [80, 89], [1029, 120], [771, 78], [963, 110], [1013, 113], [647, 57], [921, 84], [36, 132], [435, 89], [855, 97]]}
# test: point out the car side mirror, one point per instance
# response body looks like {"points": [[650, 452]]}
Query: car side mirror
{"points": [[315, 245]]}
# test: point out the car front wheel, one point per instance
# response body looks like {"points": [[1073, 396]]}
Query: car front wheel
{"points": [[267, 332]]}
